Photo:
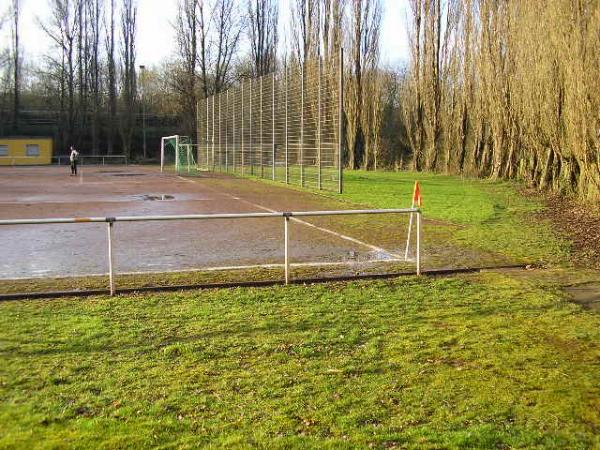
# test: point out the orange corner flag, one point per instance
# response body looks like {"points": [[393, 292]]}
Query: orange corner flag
{"points": [[417, 198]]}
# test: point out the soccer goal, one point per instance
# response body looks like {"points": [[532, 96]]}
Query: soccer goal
{"points": [[178, 153]]}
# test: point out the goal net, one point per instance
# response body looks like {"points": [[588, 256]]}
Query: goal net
{"points": [[178, 153]]}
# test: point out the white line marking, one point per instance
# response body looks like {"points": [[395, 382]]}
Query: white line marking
{"points": [[324, 230], [217, 269], [185, 179]]}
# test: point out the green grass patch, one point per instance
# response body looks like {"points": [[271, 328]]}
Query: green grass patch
{"points": [[484, 216], [493, 216], [484, 361]]}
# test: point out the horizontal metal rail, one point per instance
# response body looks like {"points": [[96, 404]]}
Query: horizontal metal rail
{"points": [[110, 221], [207, 216]]}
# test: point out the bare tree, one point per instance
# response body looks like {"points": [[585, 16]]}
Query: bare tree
{"points": [[365, 23], [16, 65], [94, 14], [227, 30], [264, 19], [128, 74], [185, 79], [111, 65], [62, 30]]}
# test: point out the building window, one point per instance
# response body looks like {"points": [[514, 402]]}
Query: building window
{"points": [[3, 150], [32, 150]]}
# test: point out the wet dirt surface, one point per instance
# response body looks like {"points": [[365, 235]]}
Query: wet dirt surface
{"points": [[586, 294], [80, 249]]}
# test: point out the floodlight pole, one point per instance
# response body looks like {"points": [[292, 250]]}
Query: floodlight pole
{"points": [[143, 79]]}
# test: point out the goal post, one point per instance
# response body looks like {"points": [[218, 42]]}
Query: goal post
{"points": [[169, 146]]}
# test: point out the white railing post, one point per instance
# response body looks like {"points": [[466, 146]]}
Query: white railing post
{"points": [[286, 247], [419, 242], [111, 275]]}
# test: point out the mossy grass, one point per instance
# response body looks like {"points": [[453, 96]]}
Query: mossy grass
{"points": [[486, 361]]}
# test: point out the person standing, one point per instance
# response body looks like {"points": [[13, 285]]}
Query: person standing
{"points": [[74, 157]]}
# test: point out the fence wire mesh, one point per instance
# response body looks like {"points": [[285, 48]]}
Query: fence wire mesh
{"points": [[283, 126]]}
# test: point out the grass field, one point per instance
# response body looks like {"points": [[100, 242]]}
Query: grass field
{"points": [[494, 360]]}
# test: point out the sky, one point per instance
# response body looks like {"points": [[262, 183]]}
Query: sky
{"points": [[155, 41]]}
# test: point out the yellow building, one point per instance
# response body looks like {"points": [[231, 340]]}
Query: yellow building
{"points": [[23, 151]]}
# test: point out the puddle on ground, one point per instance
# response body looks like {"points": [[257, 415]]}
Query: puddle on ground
{"points": [[125, 174], [156, 197], [375, 255], [587, 295]]}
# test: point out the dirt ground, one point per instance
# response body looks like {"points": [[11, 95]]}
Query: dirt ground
{"points": [[80, 249]]}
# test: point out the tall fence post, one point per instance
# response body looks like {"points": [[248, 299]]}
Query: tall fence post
{"points": [[287, 171], [319, 176], [242, 106], [302, 124], [260, 122], [273, 128], [220, 146], [251, 137], [234, 129], [341, 123], [111, 275], [286, 238], [213, 133], [207, 139], [227, 131]]}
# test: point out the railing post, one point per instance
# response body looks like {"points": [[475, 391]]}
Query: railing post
{"points": [[419, 242], [111, 276], [286, 247]]}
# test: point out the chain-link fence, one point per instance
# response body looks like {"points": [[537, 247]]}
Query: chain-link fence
{"points": [[284, 126]]}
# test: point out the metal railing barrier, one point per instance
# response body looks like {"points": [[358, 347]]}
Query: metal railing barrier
{"points": [[110, 222]]}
